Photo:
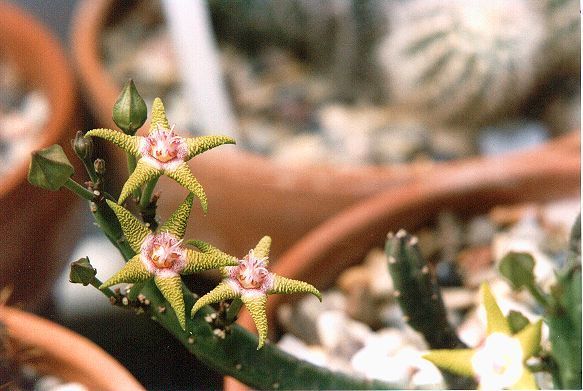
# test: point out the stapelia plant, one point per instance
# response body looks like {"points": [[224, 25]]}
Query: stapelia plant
{"points": [[512, 351], [157, 256]]}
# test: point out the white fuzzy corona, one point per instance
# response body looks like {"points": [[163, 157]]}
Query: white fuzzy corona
{"points": [[461, 60]]}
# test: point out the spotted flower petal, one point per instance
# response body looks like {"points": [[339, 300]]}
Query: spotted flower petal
{"points": [[526, 381], [162, 152], [134, 231], [287, 286], [143, 173], [163, 256], [133, 271], [176, 224], [171, 289], [122, 140], [256, 307], [198, 261], [250, 280], [184, 177], [495, 321], [219, 293], [529, 338], [458, 361]]}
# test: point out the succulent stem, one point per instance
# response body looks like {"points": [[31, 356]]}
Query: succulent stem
{"points": [[146, 197], [79, 190], [233, 310], [420, 299]]}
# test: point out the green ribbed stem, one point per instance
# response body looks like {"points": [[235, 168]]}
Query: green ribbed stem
{"points": [[420, 299]]}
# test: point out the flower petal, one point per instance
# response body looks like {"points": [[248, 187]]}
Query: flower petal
{"points": [[529, 338], [134, 231], [198, 261], [219, 293], [256, 306], [176, 224], [287, 285], [171, 289], [496, 322], [133, 271], [457, 361], [262, 248], [198, 145], [122, 140], [207, 248], [158, 116], [184, 176], [526, 382], [142, 174]]}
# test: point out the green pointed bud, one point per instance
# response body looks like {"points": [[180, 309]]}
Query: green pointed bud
{"points": [[99, 165], [83, 146], [50, 168], [518, 269], [129, 111], [82, 272]]}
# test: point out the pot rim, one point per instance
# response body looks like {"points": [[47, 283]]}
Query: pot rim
{"points": [[70, 354], [28, 42]]}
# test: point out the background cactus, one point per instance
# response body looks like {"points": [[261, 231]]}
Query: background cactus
{"points": [[563, 40], [461, 61]]}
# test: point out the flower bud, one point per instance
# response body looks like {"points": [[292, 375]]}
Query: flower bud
{"points": [[130, 111], [50, 168], [99, 165], [82, 272], [83, 146]]}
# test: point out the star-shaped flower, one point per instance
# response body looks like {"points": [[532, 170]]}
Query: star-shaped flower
{"points": [[162, 152], [163, 256], [499, 362], [252, 282]]}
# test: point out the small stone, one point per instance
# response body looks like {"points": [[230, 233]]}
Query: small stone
{"points": [[312, 354], [301, 318], [191, 339], [447, 274], [70, 387], [340, 335], [480, 231], [458, 298], [48, 383]]}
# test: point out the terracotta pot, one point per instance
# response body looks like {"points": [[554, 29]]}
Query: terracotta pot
{"points": [[546, 173], [66, 354], [249, 195], [31, 235]]}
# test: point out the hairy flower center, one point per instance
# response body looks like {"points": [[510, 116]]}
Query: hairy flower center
{"points": [[164, 250], [251, 272], [164, 145], [499, 362]]}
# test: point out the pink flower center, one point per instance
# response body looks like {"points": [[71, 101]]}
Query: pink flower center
{"points": [[164, 251], [164, 146], [251, 272]]}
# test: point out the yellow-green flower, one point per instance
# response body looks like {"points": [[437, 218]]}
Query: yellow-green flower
{"points": [[163, 256], [252, 282], [162, 152], [499, 362]]}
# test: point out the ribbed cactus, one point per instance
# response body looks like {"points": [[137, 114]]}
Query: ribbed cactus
{"points": [[419, 297], [563, 42], [461, 60], [564, 316]]}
